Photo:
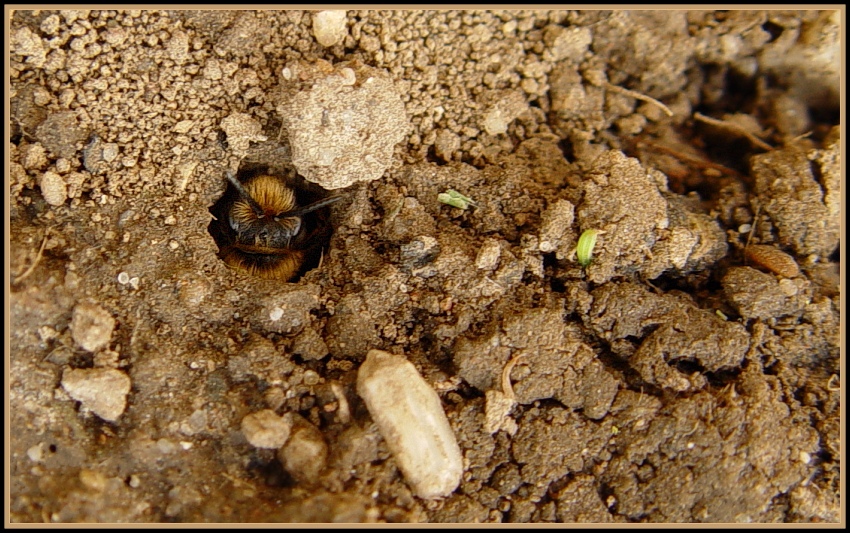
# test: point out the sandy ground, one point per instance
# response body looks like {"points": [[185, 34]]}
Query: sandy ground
{"points": [[685, 368]]}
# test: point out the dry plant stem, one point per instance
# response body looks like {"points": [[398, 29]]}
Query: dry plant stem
{"points": [[690, 159], [752, 229], [38, 256], [639, 96], [735, 128], [507, 388], [833, 384]]}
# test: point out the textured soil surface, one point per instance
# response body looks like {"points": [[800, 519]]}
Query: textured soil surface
{"points": [[686, 369]]}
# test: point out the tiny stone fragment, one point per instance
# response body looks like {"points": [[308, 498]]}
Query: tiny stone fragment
{"points": [[53, 188], [101, 390], [329, 27], [305, 454], [501, 108], [488, 255], [410, 417], [265, 429], [26, 43], [496, 412], [91, 326], [419, 251], [33, 156]]}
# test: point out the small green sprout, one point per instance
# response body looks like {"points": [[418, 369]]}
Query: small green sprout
{"points": [[721, 314], [455, 199], [586, 243]]}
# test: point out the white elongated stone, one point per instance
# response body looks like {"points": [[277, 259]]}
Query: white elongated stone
{"points": [[411, 419]]}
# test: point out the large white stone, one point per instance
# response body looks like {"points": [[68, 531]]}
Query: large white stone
{"points": [[411, 419]]}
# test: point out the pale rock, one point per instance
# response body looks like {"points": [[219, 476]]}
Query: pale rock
{"points": [[53, 188], [305, 454], [411, 419], [265, 429], [101, 390], [329, 27], [91, 326]]}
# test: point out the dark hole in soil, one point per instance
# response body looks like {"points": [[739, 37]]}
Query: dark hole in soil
{"points": [[271, 472], [775, 30], [723, 377], [605, 492], [567, 148], [835, 257], [687, 366], [312, 238]]}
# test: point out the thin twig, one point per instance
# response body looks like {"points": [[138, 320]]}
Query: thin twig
{"points": [[638, 96], [507, 388], [829, 384], [690, 159], [733, 127], [35, 262], [752, 230]]}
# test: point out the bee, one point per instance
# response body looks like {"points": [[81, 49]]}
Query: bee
{"points": [[267, 234]]}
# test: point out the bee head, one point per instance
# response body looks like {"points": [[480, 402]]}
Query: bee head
{"points": [[266, 214]]}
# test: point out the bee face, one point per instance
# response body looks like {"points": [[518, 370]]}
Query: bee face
{"points": [[265, 228], [269, 226]]}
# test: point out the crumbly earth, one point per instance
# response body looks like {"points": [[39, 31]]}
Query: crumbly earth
{"points": [[669, 381]]}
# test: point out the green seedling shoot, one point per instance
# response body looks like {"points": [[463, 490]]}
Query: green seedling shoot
{"points": [[586, 243], [455, 199]]}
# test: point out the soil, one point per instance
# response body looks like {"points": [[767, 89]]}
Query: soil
{"points": [[672, 379]]}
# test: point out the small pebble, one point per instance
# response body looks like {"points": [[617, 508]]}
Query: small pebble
{"points": [[305, 454], [33, 156], [421, 250], [36, 453], [91, 326], [329, 27], [101, 390], [311, 377], [488, 255], [53, 188], [265, 429], [123, 278]]}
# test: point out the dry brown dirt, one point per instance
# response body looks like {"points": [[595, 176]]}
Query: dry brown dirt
{"points": [[676, 378]]}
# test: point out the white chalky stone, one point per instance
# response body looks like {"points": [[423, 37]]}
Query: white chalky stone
{"points": [[102, 390], [411, 419]]}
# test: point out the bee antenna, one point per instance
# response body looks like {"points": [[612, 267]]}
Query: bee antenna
{"points": [[231, 177], [312, 207]]}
